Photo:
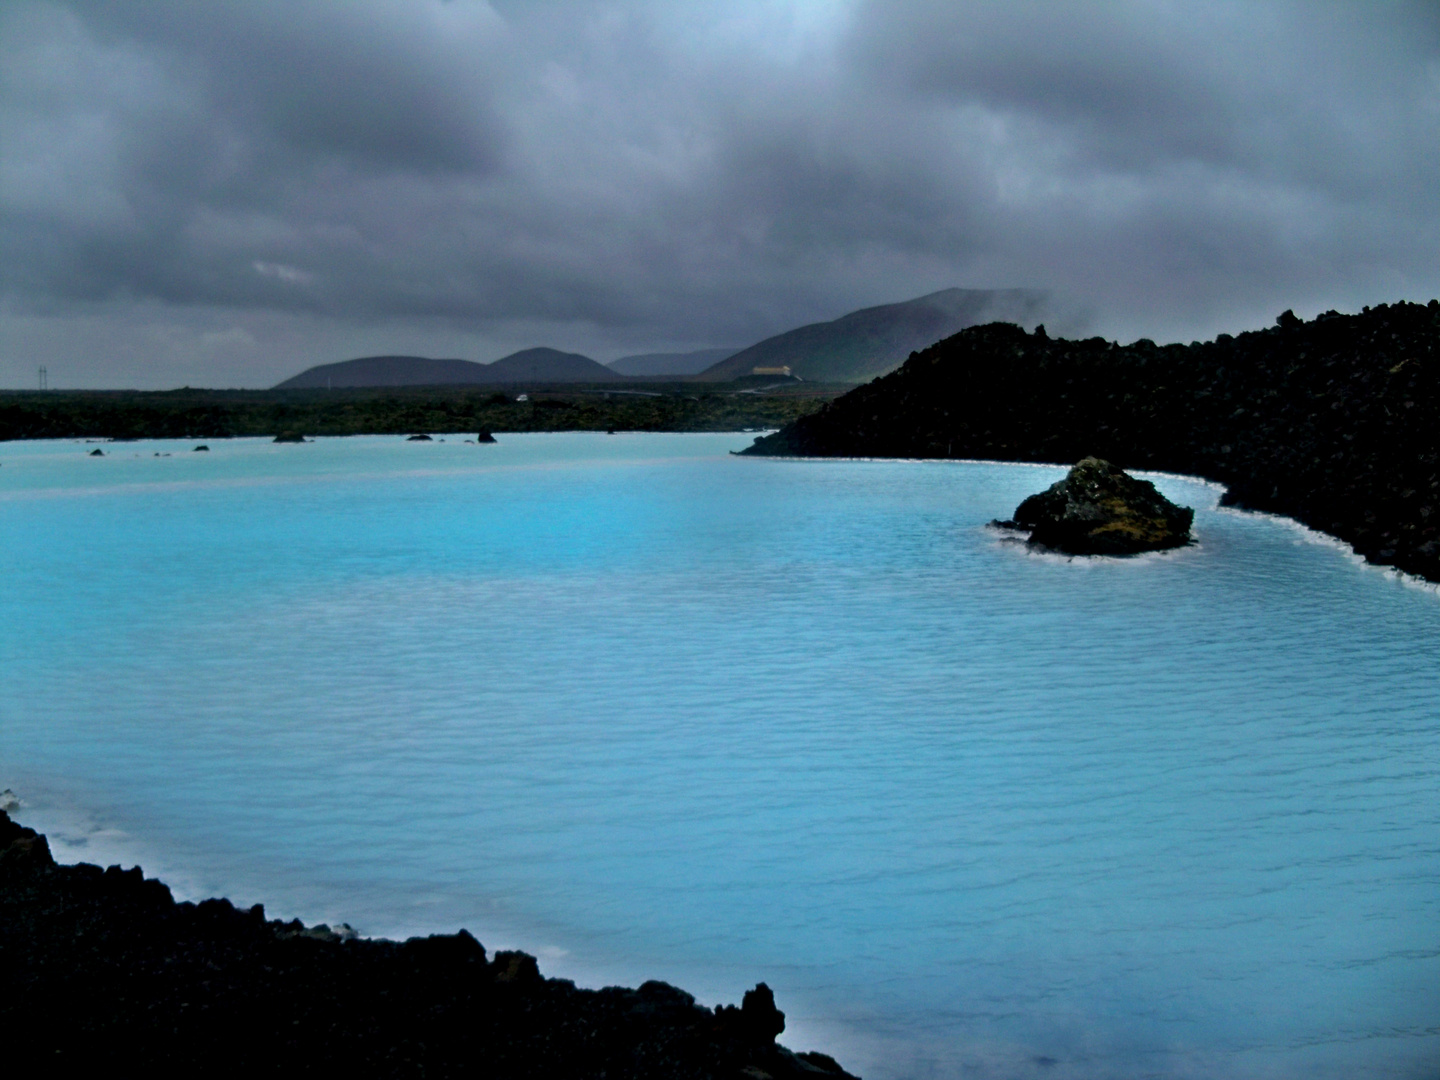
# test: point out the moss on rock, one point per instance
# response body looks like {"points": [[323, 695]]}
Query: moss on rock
{"points": [[1099, 509]]}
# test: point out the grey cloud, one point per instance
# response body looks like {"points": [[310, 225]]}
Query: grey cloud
{"points": [[621, 177], [377, 86], [1193, 155], [226, 136]]}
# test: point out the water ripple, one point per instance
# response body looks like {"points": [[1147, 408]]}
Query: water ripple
{"points": [[654, 711]]}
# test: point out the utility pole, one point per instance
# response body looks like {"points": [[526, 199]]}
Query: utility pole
{"points": [[44, 378]]}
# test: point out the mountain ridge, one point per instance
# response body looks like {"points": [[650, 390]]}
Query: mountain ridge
{"points": [[538, 364], [654, 365], [870, 342], [855, 347]]}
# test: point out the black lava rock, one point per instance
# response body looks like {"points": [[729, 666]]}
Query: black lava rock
{"points": [[484, 437], [1101, 510], [1331, 422], [104, 972], [419, 438], [290, 437]]}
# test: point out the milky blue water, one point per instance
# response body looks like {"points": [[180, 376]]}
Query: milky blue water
{"points": [[653, 711]]}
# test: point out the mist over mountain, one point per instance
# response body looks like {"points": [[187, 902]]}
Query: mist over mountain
{"points": [[872, 341], [528, 365], [654, 365]]}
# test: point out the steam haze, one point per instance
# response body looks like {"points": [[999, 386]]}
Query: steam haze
{"points": [[225, 194]]}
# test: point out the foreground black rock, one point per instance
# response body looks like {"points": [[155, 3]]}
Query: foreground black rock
{"points": [[1101, 510], [104, 971], [1331, 421], [290, 437]]}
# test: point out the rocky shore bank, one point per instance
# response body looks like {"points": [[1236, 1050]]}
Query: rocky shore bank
{"points": [[1332, 422], [105, 972]]}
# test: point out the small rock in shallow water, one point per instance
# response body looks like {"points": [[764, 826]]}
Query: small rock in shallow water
{"points": [[1101, 510], [419, 438]]}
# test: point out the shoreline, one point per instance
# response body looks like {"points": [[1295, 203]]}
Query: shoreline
{"points": [[105, 964], [1309, 533], [216, 414], [1329, 422]]}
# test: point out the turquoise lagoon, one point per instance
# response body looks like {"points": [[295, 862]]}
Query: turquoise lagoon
{"points": [[649, 710]]}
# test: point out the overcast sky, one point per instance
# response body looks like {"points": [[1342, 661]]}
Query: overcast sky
{"points": [[224, 194]]}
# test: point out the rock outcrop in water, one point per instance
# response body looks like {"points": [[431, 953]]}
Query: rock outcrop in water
{"points": [[1331, 422], [105, 973], [1101, 510]]}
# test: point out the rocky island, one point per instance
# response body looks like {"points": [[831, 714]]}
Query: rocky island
{"points": [[1332, 422], [1101, 510], [105, 972]]}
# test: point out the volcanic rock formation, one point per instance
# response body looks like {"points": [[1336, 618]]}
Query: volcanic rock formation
{"points": [[1101, 510], [106, 974], [1331, 421]]}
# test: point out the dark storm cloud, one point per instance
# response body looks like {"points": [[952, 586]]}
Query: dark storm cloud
{"points": [[188, 137], [310, 81], [636, 175], [1227, 147], [1341, 97]]}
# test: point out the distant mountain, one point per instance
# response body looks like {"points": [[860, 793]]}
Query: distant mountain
{"points": [[548, 365], [870, 342], [387, 371], [853, 348], [669, 363], [528, 365]]}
